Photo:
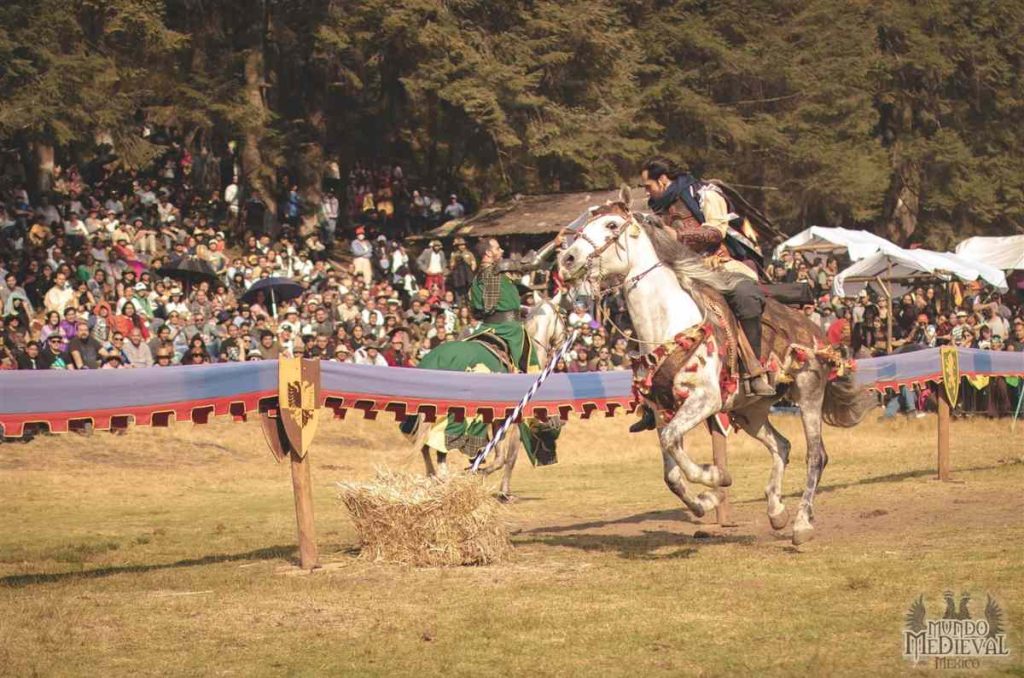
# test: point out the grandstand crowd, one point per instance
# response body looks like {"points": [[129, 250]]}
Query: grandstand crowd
{"points": [[95, 275]]}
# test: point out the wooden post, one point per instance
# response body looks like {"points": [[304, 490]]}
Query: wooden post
{"points": [[943, 446], [302, 487], [720, 452]]}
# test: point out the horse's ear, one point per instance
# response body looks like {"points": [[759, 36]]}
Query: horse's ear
{"points": [[626, 196]]}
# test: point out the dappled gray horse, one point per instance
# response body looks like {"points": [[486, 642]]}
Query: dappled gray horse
{"points": [[688, 373]]}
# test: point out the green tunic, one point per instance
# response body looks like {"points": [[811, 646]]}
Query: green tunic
{"points": [[492, 291]]}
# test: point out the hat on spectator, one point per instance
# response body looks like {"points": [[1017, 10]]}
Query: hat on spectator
{"points": [[342, 348], [164, 352], [961, 314], [290, 310], [1018, 321], [140, 286], [435, 241], [307, 331], [459, 240]]}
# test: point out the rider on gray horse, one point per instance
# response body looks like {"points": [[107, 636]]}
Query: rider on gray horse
{"points": [[699, 215]]}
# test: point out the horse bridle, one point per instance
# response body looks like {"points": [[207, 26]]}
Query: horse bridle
{"points": [[598, 250]]}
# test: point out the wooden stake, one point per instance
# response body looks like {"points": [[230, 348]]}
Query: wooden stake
{"points": [[943, 427], [302, 487], [720, 452]]}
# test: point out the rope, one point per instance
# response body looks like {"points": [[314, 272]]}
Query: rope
{"points": [[527, 397]]}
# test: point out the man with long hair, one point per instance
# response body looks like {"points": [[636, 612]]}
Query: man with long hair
{"points": [[699, 215]]}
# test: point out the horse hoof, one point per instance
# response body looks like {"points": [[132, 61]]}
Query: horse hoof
{"points": [[803, 536], [507, 498], [697, 510], [779, 520], [724, 478]]}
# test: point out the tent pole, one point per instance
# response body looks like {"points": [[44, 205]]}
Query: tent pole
{"points": [[888, 295]]}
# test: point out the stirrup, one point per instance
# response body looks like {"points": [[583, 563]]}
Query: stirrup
{"points": [[760, 386], [645, 423]]}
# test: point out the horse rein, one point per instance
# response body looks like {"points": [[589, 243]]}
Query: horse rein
{"points": [[603, 292]]}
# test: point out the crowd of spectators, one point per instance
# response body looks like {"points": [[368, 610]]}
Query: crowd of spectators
{"points": [[84, 281], [82, 286], [928, 315]]}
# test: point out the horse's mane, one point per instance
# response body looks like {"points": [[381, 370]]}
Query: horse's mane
{"points": [[685, 263]]}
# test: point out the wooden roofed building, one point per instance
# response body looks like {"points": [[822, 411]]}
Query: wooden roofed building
{"points": [[531, 217]]}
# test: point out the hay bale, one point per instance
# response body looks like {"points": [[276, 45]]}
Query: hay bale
{"points": [[416, 520]]}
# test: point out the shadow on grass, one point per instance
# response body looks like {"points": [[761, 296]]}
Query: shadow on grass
{"points": [[875, 480], [269, 553], [643, 546], [667, 514]]}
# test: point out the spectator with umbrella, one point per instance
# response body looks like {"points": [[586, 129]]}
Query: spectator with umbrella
{"points": [[190, 271], [275, 289]]}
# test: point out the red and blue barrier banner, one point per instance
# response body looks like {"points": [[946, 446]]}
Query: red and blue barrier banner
{"points": [[63, 400], [920, 367]]}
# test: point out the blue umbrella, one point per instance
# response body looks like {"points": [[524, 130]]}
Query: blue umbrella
{"points": [[276, 289]]}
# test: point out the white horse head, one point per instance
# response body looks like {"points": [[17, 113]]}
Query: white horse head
{"points": [[609, 242]]}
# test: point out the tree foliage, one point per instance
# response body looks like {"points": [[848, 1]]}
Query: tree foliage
{"points": [[902, 117]]}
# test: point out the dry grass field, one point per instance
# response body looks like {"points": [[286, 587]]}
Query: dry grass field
{"points": [[169, 552]]}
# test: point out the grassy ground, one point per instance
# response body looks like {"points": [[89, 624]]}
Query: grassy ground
{"points": [[168, 552]]}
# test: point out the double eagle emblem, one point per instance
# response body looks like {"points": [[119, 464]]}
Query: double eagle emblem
{"points": [[955, 636]]}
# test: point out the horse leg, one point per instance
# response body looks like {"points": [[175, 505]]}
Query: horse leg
{"points": [[442, 464], [811, 392], [779, 448], [431, 471], [674, 480], [514, 442], [704, 401]]}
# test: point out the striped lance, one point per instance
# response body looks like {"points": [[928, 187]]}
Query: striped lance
{"points": [[527, 397]]}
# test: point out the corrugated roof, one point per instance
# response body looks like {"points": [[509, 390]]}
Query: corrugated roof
{"points": [[530, 215]]}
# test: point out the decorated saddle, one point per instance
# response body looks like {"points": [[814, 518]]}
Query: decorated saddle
{"points": [[788, 339]]}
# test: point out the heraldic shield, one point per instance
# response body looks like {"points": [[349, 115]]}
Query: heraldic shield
{"points": [[299, 397]]}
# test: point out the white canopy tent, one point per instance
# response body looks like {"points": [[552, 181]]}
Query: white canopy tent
{"points": [[900, 269], [1005, 253], [894, 274], [856, 244]]}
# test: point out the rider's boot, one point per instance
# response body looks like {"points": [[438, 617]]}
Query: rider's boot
{"points": [[646, 422], [757, 380]]}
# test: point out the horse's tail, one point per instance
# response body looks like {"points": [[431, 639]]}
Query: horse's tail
{"points": [[846, 404]]}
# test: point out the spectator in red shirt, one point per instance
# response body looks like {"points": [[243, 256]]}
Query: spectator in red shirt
{"points": [[395, 354]]}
